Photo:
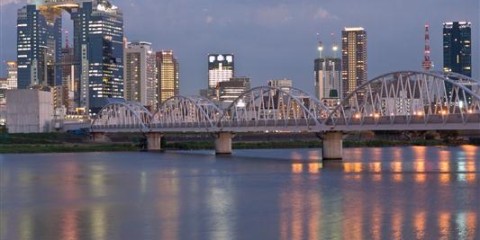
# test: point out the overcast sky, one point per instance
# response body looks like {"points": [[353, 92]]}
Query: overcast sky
{"points": [[273, 39]]}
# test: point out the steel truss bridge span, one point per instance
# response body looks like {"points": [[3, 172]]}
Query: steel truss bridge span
{"points": [[403, 100], [410, 100]]}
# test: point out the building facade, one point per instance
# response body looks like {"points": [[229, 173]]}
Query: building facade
{"points": [[98, 50], [167, 76], [284, 84], [327, 72], [457, 47], [70, 85], [97, 44], [140, 83], [221, 68], [29, 111], [12, 75], [230, 90], [354, 60], [39, 42]]}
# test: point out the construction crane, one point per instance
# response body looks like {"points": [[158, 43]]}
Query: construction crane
{"points": [[427, 64]]}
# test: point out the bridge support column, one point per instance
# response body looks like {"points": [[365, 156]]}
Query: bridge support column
{"points": [[99, 137], [223, 143], [332, 146], [154, 140]]}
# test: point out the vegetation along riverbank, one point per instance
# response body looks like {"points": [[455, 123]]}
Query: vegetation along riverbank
{"points": [[68, 142]]}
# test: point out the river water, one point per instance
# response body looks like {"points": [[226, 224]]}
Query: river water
{"points": [[374, 193]]}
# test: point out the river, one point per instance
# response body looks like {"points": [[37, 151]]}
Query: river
{"points": [[374, 193]]}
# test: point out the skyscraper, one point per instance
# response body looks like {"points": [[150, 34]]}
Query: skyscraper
{"points": [[230, 90], [39, 45], [70, 85], [220, 69], [140, 84], [167, 75], [457, 47], [354, 59], [327, 71], [98, 51]]}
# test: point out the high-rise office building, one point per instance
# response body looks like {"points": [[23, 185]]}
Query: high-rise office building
{"points": [[284, 84], [327, 73], [140, 79], [39, 45], [230, 90], [220, 69], [457, 47], [97, 43], [167, 75], [70, 85], [12, 75], [98, 49], [354, 60]]}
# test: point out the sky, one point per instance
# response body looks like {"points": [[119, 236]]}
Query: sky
{"points": [[276, 39]]}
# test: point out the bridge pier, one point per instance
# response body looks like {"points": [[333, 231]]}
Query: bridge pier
{"points": [[99, 137], [223, 143], [154, 140], [332, 148]]}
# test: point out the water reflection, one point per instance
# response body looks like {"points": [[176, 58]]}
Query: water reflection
{"points": [[69, 225], [169, 207], [389, 193]]}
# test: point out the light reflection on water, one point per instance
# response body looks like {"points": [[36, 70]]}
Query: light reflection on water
{"points": [[375, 193]]}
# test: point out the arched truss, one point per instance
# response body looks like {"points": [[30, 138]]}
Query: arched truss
{"points": [[186, 112], [274, 107], [127, 115], [410, 97]]}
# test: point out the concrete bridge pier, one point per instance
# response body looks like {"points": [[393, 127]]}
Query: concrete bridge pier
{"points": [[332, 148], [99, 137], [154, 140], [223, 142]]}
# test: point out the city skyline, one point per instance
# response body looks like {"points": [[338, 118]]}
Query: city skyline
{"points": [[278, 40]]}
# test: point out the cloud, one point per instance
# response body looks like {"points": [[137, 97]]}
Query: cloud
{"points": [[209, 19], [274, 15], [322, 13], [6, 2]]}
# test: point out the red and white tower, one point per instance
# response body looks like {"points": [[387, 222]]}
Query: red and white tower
{"points": [[427, 63]]}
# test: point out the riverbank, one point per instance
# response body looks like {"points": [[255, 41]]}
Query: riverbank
{"points": [[203, 145], [65, 142]]}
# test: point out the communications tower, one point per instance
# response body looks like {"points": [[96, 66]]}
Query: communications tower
{"points": [[427, 63]]}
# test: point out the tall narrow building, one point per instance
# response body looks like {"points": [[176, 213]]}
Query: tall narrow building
{"points": [[354, 59], [98, 50], [140, 84], [221, 68], [457, 47], [167, 76], [70, 85], [39, 42]]}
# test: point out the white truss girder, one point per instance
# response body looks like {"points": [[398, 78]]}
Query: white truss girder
{"points": [[394, 101], [186, 112], [274, 107], [122, 115], [410, 98]]}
